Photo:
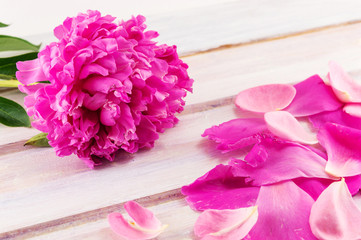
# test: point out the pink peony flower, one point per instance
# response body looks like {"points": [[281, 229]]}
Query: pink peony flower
{"points": [[111, 87]]}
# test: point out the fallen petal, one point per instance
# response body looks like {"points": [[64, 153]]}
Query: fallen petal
{"points": [[236, 134], [338, 116], [266, 98], [284, 125], [343, 149], [353, 109], [144, 225], [312, 97], [220, 189], [313, 186], [279, 161], [334, 215], [227, 224], [353, 184], [283, 213], [344, 87]]}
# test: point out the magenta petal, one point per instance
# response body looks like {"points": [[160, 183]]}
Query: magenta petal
{"points": [[354, 184], [29, 72], [284, 125], [280, 161], [334, 215], [266, 98], [343, 149], [143, 226], [228, 224], [283, 213], [338, 116], [312, 97], [236, 134], [220, 189], [345, 88], [313, 186], [353, 109]]}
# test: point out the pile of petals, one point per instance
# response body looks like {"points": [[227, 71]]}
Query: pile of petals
{"points": [[104, 85], [293, 183]]}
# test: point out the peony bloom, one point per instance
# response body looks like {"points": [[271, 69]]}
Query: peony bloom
{"points": [[104, 86]]}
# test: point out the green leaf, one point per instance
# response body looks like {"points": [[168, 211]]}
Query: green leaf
{"points": [[12, 114], [3, 25], [8, 69], [39, 140], [9, 83], [9, 43], [15, 59], [6, 77]]}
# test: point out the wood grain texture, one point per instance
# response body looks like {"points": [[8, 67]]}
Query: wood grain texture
{"points": [[52, 183], [224, 73], [193, 26], [39, 180], [246, 43]]}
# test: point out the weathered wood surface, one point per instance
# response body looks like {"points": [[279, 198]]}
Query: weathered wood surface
{"points": [[43, 196]]}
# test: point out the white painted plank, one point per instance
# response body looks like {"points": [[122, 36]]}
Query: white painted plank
{"points": [[38, 186], [38, 180], [224, 73], [191, 25], [176, 214]]}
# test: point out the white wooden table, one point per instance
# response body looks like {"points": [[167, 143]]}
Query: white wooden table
{"points": [[229, 46]]}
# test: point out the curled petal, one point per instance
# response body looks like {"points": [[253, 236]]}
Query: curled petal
{"points": [[345, 88], [283, 213], [304, 103], [353, 109], [286, 126], [144, 225], [30, 72], [220, 189], [343, 149], [334, 215], [236, 134], [278, 161], [227, 224], [266, 98]]}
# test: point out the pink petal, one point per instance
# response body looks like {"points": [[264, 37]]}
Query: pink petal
{"points": [[278, 161], [142, 216], [266, 98], [345, 88], [220, 189], [312, 97], [353, 109], [284, 210], [30, 72], [284, 125], [338, 116], [236, 134], [343, 148], [143, 226], [225, 224], [335, 215]]}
